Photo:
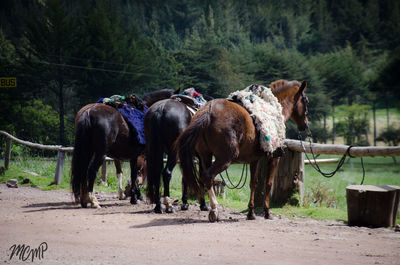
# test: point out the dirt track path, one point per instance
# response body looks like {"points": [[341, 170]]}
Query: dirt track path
{"points": [[120, 233]]}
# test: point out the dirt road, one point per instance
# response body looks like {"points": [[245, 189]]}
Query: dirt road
{"points": [[119, 233]]}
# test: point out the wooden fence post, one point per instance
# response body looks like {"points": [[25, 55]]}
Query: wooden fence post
{"points": [[59, 168], [290, 175], [7, 155]]}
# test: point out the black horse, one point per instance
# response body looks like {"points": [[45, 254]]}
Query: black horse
{"points": [[163, 123], [100, 131]]}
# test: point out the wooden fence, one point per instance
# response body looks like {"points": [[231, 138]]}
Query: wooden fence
{"points": [[291, 168]]}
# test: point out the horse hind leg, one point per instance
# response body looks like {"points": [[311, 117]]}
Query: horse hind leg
{"points": [[94, 166], [207, 160], [167, 175], [208, 178]]}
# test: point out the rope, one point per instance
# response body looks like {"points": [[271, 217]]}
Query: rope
{"points": [[244, 168], [340, 163]]}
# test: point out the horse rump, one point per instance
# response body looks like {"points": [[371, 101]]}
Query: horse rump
{"points": [[185, 145]]}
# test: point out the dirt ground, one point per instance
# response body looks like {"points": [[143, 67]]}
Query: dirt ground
{"points": [[119, 233]]}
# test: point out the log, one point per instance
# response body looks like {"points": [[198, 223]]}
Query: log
{"points": [[372, 206], [39, 146], [340, 149], [322, 161]]}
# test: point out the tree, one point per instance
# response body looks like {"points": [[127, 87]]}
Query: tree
{"points": [[50, 41], [354, 125]]}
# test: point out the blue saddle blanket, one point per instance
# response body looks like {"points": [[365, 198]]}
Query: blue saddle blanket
{"points": [[135, 120]]}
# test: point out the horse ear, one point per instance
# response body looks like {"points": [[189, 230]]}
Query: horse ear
{"points": [[177, 91], [303, 86]]}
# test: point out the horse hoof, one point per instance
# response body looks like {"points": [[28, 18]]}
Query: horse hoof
{"points": [[169, 210], [185, 207], [157, 209], [204, 207], [213, 216], [267, 214], [251, 217], [96, 206], [268, 217], [133, 200], [140, 197]]}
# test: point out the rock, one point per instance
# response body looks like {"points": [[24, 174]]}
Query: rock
{"points": [[26, 181], [12, 183]]}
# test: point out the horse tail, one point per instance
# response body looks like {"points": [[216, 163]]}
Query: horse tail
{"points": [[185, 145], [81, 155], [154, 154]]}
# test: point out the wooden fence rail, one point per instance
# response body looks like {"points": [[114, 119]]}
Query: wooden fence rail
{"points": [[293, 145]]}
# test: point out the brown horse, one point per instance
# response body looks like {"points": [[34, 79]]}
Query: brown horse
{"points": [[100, 131], [225, 130]]}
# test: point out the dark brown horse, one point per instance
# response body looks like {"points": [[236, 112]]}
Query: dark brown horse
{"points": [[100, 131], [225, 130], [163, 123]]}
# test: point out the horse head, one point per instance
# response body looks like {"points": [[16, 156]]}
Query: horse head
{"points": [[300, 109], [293, 100], [134, 100]]}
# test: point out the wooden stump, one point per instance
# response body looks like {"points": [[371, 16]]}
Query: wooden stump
{"points": [[369, 205]]}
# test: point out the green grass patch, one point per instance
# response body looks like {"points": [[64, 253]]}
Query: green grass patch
{"points": [[325, 198]]}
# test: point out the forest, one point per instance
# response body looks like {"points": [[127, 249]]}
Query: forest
{"points": [[64, 54]]}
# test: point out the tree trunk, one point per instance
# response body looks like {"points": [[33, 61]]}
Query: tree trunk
{"points": [[374, 113], [369, 205], [333, 124], [61, 111], [325, 138]]}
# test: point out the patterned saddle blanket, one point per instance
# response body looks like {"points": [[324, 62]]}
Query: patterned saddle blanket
{"points": [[266, 112], [133, 116]]}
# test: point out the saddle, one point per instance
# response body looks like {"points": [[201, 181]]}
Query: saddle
{"points": [[190, 103]]}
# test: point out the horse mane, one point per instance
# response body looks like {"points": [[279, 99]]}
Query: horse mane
{"points": [[282, 88]]}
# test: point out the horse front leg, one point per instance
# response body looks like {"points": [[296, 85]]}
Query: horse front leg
{"points": [[253, 185], [272, 169], [118, 168], [207, 163]]}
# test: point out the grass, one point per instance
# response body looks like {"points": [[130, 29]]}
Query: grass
{"points": [[325, 198]]}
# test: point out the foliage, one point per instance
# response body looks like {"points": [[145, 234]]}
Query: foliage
{"points": [[391, 136], [354, 125], [70, 53]]}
